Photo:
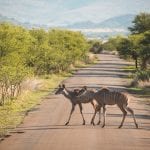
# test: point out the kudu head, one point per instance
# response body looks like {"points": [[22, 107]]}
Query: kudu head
{"points": [[79, 92], [60, 89]]}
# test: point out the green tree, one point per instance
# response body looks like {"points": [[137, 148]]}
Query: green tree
{"points": [[145, 50], [12, 72], [127, 49], [24, 51], [135, 47], [13, 38], [141, 23], [112, 43]]}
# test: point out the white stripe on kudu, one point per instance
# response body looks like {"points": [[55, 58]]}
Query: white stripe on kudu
{"points": [[105, 97]]}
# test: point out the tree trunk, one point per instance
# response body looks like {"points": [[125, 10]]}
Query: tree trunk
{"points": [[136, 64]]}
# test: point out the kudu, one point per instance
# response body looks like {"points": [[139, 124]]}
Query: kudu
{"points": [[106, 97], [77, 97]]}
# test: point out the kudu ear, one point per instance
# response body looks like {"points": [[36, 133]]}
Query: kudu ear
{"points": [[63, 85], [85, 87], [59, 86]]}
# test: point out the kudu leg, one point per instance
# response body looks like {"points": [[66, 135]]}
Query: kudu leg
{"points": [[124, 115], [72, 110], [132, 113], [99, 121], [80, 106], [104, 115], [92, 120], [97, 109]]}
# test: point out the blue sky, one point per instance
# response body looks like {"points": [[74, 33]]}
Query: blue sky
{"points": [[55, 12]]}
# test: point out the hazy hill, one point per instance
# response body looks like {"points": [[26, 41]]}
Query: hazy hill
{"points": [[24, 24], [117, 22], [109, 27], [123, 21], [82, 25], [7, 19]]}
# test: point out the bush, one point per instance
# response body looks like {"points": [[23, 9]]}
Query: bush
{"points": [[12, 73], [96, 46], [24, 51], [143, 76]]}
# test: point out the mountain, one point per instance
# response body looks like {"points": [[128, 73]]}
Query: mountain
{"points": [[24, 24], [82, 25], [117, 22], [7, 19], [110, 27], [123, 21]]}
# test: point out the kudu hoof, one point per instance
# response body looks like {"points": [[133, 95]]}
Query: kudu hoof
{"points": [[120, 126], [83, 123], [66, 123], [98, 123], [103, 126], [137, 126], [92, 123]]}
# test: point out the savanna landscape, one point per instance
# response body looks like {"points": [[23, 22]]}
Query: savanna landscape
{"points": [[84, 85]]}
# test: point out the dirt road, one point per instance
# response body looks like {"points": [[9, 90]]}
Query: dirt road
{"points": [[43, 128]]}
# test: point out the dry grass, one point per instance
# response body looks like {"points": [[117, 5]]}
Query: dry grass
{"points": [[13, 112]]}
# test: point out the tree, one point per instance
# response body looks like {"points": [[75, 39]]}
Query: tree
{"points": [[135, 40], [24, 51], [127, 49], [96, 46], [136, 47], [124, 48], [145, 50], [112, 43], [13, 38], [141, 23], [12, 72]]}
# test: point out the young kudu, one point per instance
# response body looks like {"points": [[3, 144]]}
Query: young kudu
{"points": [[76, 97]]}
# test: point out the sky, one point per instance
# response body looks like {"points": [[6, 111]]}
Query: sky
{"points": [[61, 12]]}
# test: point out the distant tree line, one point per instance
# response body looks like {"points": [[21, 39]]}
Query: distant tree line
{"points": [[136, 46], [24, 52]]}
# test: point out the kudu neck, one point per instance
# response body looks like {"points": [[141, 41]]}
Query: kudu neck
{"points": [[67, 93]]}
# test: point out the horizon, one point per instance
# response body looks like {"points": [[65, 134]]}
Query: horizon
{"points": [[46, 12]]}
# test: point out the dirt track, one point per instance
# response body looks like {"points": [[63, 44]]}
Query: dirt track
{"points": [[43, 128]]}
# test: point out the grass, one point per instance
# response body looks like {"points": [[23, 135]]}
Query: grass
{"points": [[141, 92], [129, 68], [13, 112]]}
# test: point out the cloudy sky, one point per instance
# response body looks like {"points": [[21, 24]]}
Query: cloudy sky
{"points": [[69, 11]]}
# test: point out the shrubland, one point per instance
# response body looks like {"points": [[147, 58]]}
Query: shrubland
{"points": [[135, 46], [32, 63]]}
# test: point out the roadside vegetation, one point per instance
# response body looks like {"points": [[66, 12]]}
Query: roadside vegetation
{"points": [[32, 63], [135, 47]]}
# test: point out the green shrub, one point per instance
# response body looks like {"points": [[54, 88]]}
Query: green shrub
{"points": [[23, 52]]}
